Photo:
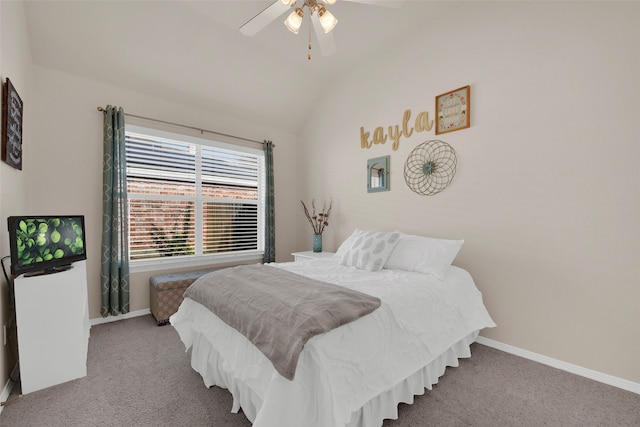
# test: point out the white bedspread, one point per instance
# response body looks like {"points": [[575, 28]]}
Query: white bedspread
{"points": [[421, 317]]}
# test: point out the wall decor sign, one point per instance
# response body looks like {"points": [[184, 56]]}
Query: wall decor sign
{"points": [[452, 110], [12, 126], [393, 133]]}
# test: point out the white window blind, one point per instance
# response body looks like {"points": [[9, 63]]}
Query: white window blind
{"points": [[192, 198]]}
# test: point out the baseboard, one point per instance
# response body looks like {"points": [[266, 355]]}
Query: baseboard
{"points": [[564, 366], [6, 391], [108, 319]]}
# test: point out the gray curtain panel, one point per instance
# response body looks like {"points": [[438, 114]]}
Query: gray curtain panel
{"points": [[270, 214], [114, 273]]}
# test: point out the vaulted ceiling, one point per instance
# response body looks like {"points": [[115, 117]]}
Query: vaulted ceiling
{"points": [[193, 53]]}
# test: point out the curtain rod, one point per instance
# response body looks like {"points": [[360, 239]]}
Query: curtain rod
{"points": [[190, 127]]}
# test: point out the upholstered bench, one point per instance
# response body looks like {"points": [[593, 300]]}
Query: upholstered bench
{"points": [[167, 290]]}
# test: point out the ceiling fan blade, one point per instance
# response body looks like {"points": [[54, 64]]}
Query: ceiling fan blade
{"points": [[325, 40], [383, 3], [264, 18]]}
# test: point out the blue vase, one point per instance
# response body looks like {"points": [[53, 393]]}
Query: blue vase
{"points": [[317, 243]]}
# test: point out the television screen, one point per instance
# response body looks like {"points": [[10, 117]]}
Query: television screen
{"points": [[45, 244]]}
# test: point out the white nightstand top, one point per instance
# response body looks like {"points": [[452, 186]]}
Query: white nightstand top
{"points": [[311, 255]]}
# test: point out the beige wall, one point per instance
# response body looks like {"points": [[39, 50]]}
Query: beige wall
{"points": [[547, 192], [15, 63]]}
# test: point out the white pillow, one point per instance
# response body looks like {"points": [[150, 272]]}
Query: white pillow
{"points": [[348, 243], [424, 255], [370, 250]]}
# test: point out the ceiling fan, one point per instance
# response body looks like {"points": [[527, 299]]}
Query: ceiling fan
{"points": [[321, 19]]}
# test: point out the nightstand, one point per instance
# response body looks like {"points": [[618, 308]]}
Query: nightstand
{"points": [[297, 256]]}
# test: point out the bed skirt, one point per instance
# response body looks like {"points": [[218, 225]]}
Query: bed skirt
{"points": [[208, 362]]}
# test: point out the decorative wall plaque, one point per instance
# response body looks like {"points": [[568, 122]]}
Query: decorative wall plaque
{"points": [[12, 126], [452, 110]]}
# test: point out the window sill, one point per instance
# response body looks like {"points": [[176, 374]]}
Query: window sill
{"points": [[167, 263]]}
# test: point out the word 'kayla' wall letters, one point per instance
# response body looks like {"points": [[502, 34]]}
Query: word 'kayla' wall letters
{"points": [[394, 133]]}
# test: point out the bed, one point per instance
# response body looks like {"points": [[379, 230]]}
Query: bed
{"points": [[355, 375]]}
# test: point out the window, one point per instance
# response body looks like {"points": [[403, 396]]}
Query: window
{"points": [[191, 200]]}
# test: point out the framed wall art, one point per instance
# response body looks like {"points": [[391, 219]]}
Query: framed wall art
{"points": [[12, 126], [378, 174], [452, 110]]}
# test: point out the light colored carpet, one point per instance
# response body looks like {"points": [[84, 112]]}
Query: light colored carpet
{"points": [[139, 375]]}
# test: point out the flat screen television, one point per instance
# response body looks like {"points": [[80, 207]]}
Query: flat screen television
{"points": [[45, 244]]}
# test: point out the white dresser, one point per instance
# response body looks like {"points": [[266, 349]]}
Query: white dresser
{"points": [[52, 316]]}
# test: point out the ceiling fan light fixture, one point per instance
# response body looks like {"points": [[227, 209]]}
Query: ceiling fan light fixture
{"points": [[294, 21], [326, 18], [289, 2]]}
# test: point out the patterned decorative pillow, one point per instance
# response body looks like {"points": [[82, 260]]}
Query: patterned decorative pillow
{"points": [[370, 250], [424, 254], [348, 243]]}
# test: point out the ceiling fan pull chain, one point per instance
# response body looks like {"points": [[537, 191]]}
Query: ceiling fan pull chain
{"points": [[309, 32]]}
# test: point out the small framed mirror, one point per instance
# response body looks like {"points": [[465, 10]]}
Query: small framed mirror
{"points": [[378, 174]]}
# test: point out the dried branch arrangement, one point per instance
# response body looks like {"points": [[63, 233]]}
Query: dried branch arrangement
{"points": [[318, 220]]}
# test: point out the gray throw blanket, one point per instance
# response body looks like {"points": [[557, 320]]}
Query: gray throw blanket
{"points": [[278, 311]]}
